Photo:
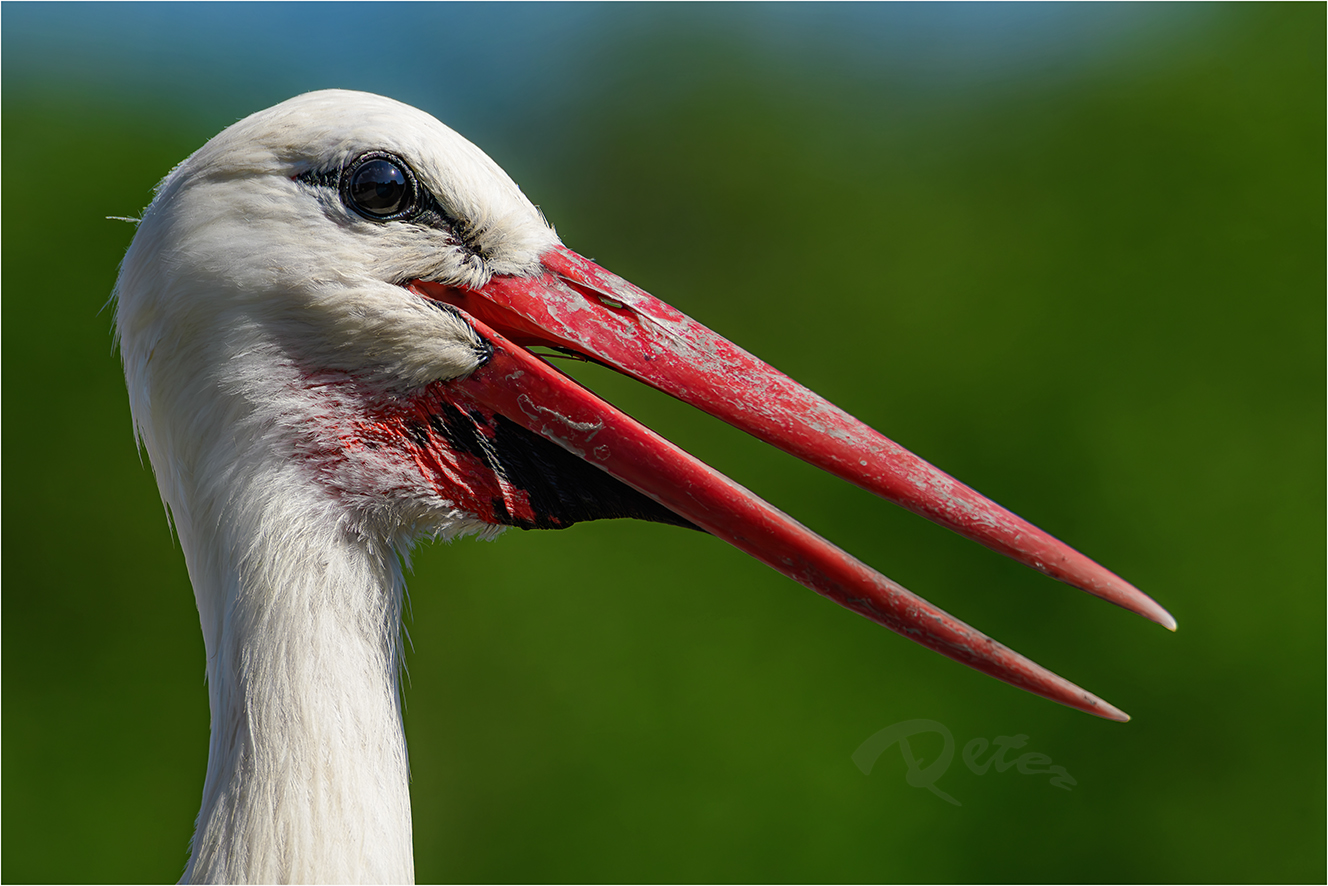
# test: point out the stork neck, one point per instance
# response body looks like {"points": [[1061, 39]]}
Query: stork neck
{"points": [[307, 772]]}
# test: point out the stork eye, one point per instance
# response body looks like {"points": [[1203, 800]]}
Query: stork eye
{"points": [[379, 187]]}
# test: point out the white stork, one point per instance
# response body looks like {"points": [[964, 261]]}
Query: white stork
{"points": [[325, 319]]}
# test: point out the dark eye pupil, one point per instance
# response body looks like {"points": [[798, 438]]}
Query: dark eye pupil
{"points": [[379, 188]]}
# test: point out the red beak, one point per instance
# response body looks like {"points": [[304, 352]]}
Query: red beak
{"points": [[579, 307]]}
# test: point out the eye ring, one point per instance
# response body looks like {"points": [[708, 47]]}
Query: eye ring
{"points": [[380, 186]]}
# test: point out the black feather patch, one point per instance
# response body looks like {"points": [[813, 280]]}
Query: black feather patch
{"points": [[561, 488]]}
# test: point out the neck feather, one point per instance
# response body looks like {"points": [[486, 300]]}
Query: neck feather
{"points": [[307, 775]]}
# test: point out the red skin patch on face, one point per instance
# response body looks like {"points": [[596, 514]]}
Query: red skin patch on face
{"points": [[435, 447]]}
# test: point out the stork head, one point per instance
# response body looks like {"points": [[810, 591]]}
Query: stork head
{"points": [[308, 218], [344, 292]]}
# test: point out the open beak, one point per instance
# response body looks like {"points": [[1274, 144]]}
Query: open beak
{"points": [[578, 307]]}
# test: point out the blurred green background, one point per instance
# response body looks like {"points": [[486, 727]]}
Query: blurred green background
{"points": [[1074, 258]]}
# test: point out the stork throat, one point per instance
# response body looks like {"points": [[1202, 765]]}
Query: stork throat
{"points": [[484, 464]]}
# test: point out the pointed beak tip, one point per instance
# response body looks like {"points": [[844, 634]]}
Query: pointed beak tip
{"points": [[1110, 712], [1153, 612], [1091, 704], [1127, 596]]}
